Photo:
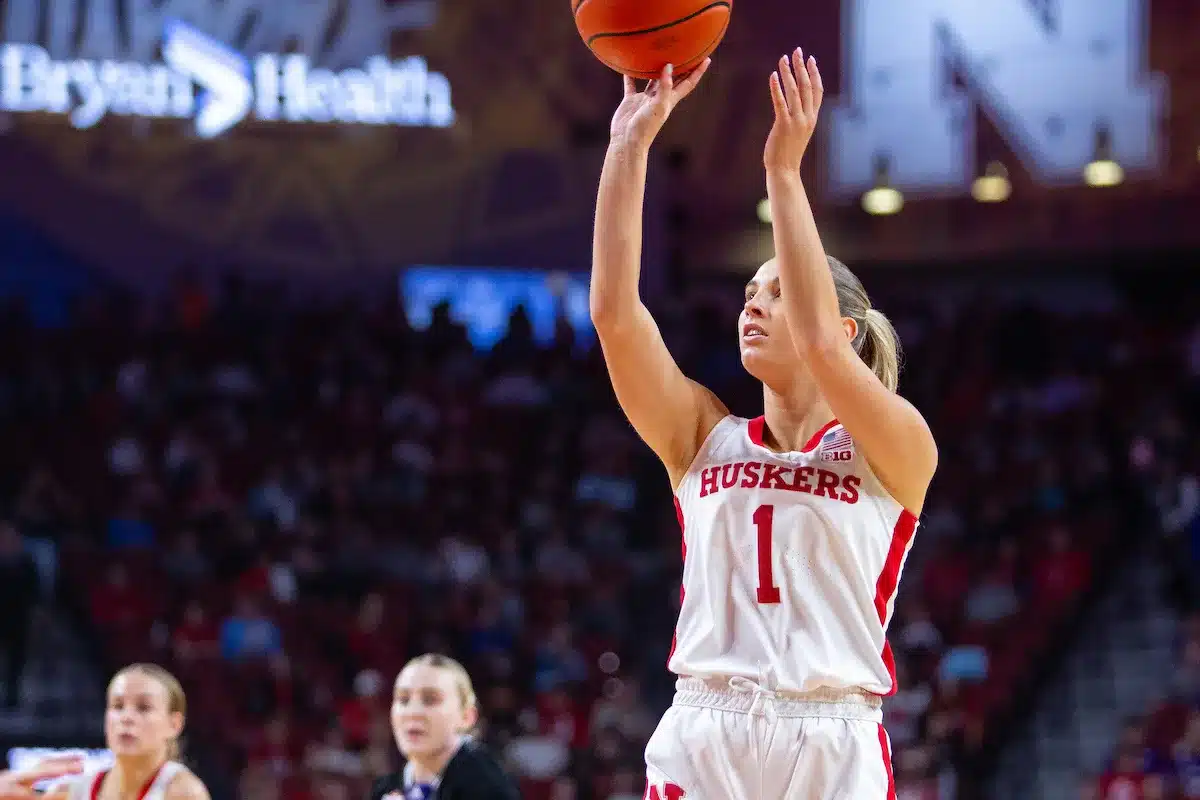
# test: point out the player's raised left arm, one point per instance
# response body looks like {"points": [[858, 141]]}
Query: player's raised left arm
{"points": [[890, 432]]}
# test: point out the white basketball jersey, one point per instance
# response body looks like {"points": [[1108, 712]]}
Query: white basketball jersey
{"points": [[87, 785], [791, 562]]}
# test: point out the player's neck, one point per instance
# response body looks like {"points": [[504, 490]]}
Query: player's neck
{"points": [[427, 768], [792, 419], [130, 775]]}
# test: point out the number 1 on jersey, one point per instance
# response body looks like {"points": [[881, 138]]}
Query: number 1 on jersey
{"points": [[764, 520]]}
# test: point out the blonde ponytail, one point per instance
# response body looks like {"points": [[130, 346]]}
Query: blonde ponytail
{"points": [[880, 348], [876, 342]]}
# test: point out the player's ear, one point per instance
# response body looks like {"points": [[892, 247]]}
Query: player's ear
{"points": [[851, 328]]}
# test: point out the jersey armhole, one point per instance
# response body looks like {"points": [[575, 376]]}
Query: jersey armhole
{"points": [[167, 775], [716, 437], [867, 468]]}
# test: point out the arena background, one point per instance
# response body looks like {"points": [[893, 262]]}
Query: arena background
{"points": [[265, 419]]}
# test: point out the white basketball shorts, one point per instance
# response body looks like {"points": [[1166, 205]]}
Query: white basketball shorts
{"points": [[735, 740]]}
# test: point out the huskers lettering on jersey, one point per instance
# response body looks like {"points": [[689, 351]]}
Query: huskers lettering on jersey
{"points": [[759, 475], [791, 563]]}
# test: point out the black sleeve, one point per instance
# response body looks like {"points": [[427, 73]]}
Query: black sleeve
{"points": [[474, 774], [384, 785], [498, 786]]}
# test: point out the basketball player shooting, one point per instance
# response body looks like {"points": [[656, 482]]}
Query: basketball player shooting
{"points": [[796, 524]]}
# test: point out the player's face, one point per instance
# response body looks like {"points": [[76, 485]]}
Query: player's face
{"points": [[139, 719], [427, 711], [764, 339], [763, 336]]}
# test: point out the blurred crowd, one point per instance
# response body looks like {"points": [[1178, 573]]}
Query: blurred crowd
{"points": [[283, 504], [1158, 756]]}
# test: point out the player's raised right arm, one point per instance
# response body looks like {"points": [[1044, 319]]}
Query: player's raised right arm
{"points": [[671, 413]]}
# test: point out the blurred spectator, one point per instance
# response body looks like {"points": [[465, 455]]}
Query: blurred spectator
{"points": [[19, 588], [1127, 780], [195, 638], [184, 562], [621, 709], [557, 560], [128, 528], [626, 786], [464, 561], [557, 663], [907, 708], [44, 507], [913, 772], [273, 750], [964, 662], [1186, 683], [993, 599], [118, 602], [537, 755], [126, 456], [1062, 572], [1186, 758], [331, 756], [248, 634], [914, 630], [360, 712]]}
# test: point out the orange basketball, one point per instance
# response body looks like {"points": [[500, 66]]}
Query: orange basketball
{"points": [[639, 37]]}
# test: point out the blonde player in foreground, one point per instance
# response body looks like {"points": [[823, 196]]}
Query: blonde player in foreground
{"points": [[145, 716], [797, 523]]}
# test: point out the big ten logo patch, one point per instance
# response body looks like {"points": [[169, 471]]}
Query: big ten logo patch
{"points": [[837, 446], [667, 791]]}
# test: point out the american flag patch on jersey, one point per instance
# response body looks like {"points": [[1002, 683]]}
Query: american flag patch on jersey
{"points": [[836, 446]]}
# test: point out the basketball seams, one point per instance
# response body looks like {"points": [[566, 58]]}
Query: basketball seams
{"points": [[648, 75], [719, 4]]}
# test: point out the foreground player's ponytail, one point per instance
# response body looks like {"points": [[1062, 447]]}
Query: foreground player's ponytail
{"points": [[877, 342]]}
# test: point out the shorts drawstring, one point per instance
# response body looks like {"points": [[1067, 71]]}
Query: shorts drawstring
{"points": [[764, 694]]}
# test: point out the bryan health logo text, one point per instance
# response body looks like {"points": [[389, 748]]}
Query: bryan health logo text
{"points": [[284, 88]]}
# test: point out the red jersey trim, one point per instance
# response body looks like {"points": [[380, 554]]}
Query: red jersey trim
{"points": [[889, 579], [96, 784], [886, 751], [683, 548], [757, 429]]}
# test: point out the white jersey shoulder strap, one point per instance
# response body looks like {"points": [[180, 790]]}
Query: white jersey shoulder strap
{"points": [[158, 787], [86, 786], [717, 441]]}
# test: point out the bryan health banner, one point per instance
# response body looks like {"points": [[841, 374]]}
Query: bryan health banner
{"points": [[203, 79]]}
